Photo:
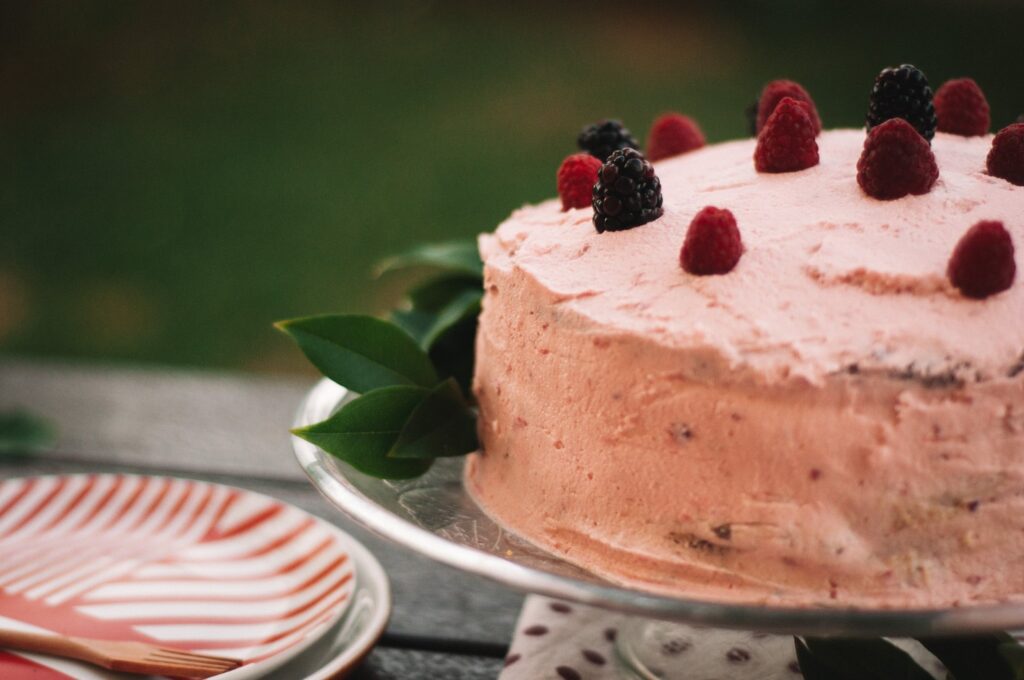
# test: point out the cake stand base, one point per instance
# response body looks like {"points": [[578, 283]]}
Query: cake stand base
{"points": [[660, 650]]}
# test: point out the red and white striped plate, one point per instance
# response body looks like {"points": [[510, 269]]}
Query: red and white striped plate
{"points": [[189, 564]]}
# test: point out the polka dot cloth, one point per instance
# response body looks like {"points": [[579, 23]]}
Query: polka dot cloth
{"points": [[557, 640]]}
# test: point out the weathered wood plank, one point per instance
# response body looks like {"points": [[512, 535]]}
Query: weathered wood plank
{"points": [[174, 420]]}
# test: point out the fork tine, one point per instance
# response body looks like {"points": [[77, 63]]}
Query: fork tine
{"points": [[195, 655], [189, 655], [166, 668], [202, 666], [212, 665], [191, 662]]}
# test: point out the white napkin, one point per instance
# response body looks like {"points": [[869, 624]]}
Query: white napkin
{"points": [[558, 640]]}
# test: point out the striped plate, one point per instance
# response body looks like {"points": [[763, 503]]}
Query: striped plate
{"points": [[188, 564]]}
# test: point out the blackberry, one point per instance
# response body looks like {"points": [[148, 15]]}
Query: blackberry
{"points": [[627, 193], [601, 139], [903, 92]]}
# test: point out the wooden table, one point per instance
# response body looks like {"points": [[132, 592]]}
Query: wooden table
{"points": [[234, 429]]}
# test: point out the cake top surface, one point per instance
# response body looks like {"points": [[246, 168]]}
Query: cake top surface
{"points": [[831, 279]]}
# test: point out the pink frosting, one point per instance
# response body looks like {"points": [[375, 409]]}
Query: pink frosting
{"points": [[830, 422]]}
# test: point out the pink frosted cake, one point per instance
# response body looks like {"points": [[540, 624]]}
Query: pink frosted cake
{"points": [[831, 421]]}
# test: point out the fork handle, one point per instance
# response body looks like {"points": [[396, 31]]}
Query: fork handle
{"points": [[44, 643]]}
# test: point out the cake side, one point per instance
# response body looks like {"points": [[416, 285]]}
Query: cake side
{"points": [[831, 422]]}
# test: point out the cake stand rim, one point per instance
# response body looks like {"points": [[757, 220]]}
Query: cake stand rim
{"points": [[324, 398]]}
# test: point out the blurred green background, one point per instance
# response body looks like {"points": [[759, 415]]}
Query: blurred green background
{"points": [[176, 175]]}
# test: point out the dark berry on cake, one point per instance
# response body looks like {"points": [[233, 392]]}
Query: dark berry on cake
{"points": [[713, 244], [604, 137], [777, 90], [961, 108], [786, 142], [627, 193], [982, 263], [576, 178], [896, 161], [1006, 157], [903, 92], [673, 134]]}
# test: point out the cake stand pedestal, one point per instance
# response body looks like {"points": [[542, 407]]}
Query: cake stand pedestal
{"points": [[435, 516]]}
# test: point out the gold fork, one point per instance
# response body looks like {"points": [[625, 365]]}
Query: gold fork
{"points": [[129, 657]]}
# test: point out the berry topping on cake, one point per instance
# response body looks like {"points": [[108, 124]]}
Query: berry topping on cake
{"points": [[961, 108], [1006, 158], [671, 135], [786, 142], [627, 193], [777, 90], [576, 179], [903, 92], [982, 263], [713, 244], [896, 161], [604, 137]]}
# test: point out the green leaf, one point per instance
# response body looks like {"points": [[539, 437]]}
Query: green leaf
{"points": [[454, 353], [976, 657], [851, 659], [362, 353], [415, 322], [364, 430], [438, 306], [466, 304], [441, 425], [1013, 653], [454, 256], [434, 294], [22, 433]]}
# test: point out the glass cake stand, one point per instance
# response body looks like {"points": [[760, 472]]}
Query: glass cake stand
{"points": [[435, 516]]}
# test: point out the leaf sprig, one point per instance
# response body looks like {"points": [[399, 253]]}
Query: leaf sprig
{"points": [[412, 372], [22, 433]]}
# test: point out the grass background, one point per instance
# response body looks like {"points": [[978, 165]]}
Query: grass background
{"points": [[176, 175]]}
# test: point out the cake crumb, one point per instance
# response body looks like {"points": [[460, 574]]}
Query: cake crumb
{"points": [[681, 433]]}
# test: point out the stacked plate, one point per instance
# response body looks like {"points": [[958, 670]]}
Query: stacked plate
{"points": [[186, 564]]}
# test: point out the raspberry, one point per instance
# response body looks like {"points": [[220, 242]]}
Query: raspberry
{"points": [[576, 179], [786, 142], [712, 244], [1006, 158], [961, 108], [896, 161], [982, 263], [777, 90], [671, 135], [627, 193], [903, 92], [601, 138]]}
